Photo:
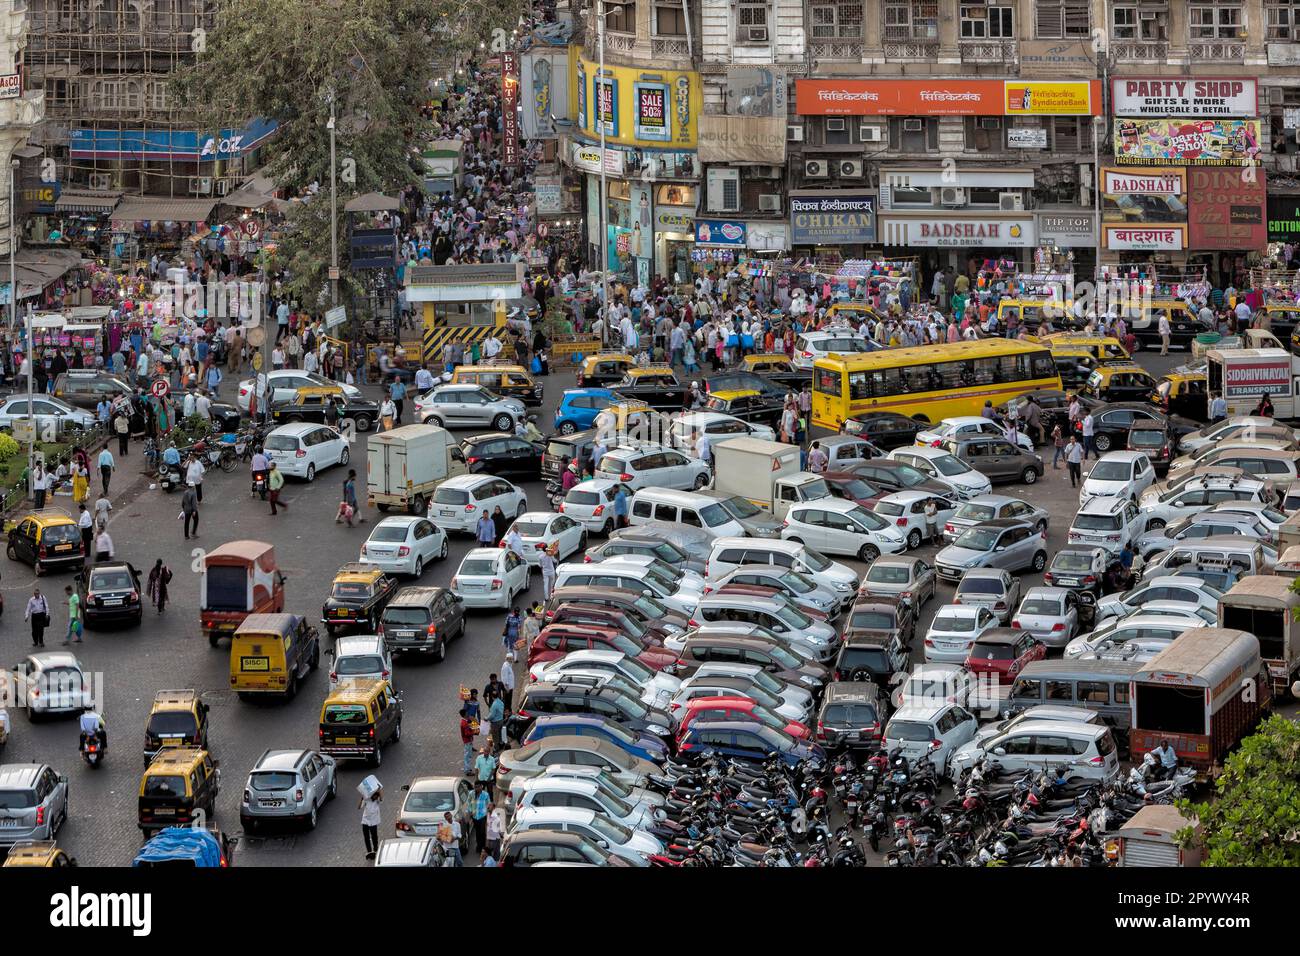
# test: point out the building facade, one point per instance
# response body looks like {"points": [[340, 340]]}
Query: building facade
{"points": [[20, 110], [956, 131]]}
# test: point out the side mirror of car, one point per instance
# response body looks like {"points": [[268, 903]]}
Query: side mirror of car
{"points": [[1000, 751], [1000, 547]]}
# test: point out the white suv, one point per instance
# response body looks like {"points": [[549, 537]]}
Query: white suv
{"points": [[1118, 474], [1197, 495], [1108, 523], [459, 502], [653, 466]]}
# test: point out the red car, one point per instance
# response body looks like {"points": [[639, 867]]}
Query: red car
{"points": [[557, 640], [736, 708], [851, 487], [1004, 651]]}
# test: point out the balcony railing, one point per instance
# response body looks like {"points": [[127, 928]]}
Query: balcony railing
{"points": [[845, 50], [988, 51], [1140, 50], [911, 49], [1229, 50], [623, 43], [672, 48]]}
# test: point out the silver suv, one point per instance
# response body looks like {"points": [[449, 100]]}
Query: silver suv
{"points": [[33, 802], [450, 405], [288, 785]]}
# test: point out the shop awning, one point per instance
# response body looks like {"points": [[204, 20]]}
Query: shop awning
{"points": [[254, 193], [83, 200], [142, 208], [36, 269]]}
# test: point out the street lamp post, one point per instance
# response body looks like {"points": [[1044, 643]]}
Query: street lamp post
{"points": [[334, 210], [604, 186], [13, 322], [1098, 127]]}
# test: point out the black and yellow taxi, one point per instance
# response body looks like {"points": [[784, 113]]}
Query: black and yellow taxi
{"points": [[178, 718], [1183, 393], [1104, 349], [358, 596], [747, 405], [1121, 382], [508, 381], [48, 540], [776, 367], [656, 385], [176, 787], [358, 718], [1030, 313], [1282, 319], [326, 405], [271, 653], [604, 368], [38, 853]]}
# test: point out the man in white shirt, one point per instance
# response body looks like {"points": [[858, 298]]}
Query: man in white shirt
{"points": [[1162, 327], [1089, 434], [194, 473], [203, 406], [423, 379]]}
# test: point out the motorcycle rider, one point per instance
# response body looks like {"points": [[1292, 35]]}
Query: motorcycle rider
{"points": [[1167, 758], [529, 431], [260, 468], [171, 457], [92, 725]]}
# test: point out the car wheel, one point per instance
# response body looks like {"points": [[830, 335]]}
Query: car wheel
{"points": [[442, 552], [868, 552], [397, 732], [362, 422], [1041, 526], [1102, 442], [608, 529], [914, 539], [10, 553], [582, 542], [1029, 476], [568, 428], [1137, 344], [701, 480], [311, 818], [346, 456], [1040, 561], [1155, 524], [419, 566], [503, 422], [334, 786], [523, 507], [441, 655], [311, 473], [434, 420], [378, 758]]}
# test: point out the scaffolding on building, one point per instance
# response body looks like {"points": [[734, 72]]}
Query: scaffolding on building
{"points": [[111, 121]]}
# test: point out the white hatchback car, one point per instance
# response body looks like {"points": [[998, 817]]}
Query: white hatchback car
{"points": [[653, 466], [678, 590], [1161, 507], [949, 469], [906, 509], [930, 732], [491, 577], [968, 426], [836, 526], [359, 657], [591, 503], [302, 449], [1118, 474], [1183, 590], [404, 544], [459, 502], [718, 426], [1087, 750], [1136, 627], [657, 688], [541, 529], [1051, 615], [954, 629]]}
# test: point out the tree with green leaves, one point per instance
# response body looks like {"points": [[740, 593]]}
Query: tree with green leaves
{"points": [[1254, 818]]}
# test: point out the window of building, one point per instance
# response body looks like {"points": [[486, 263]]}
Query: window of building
{"points": [[59, 92], [911, 20], [1218, 22], [670, 20], [158, 99], [984, 132], [913, 134], [1282, 19], [1069, 134], [835, 130], [751, 23], [1059, 19], [979, 22], [620, 16], [985, 195], [910, 196], [1143, 22], [832, 21]]}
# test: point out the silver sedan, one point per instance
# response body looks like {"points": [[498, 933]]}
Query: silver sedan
{"points": [[983, 508]]}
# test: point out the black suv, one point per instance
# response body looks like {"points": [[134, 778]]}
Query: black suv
{"points": [[85, 388], [422, 620], [544, 697], [561, 448], [873, 658], [851, 716], [497, 453]]}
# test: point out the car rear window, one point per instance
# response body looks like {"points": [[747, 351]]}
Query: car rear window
{"points": [[477, 566], [976, 512], [164, 785], [889, 574], [359, 664], [1097, 522], [1072, 561], [852, 714], [17, 799], [346, 714], [576, 497], [559, 449], [406, 615], [909, 730], [429, 801], [351, 591], [450, 496], [265, 780], [171, 722], [62, 534], [389, 533], [876, 620], [109, 580], [873, 658], [889, 508], [1044, 606], [993, 652], [953, 624], [532, 529], [980, 586], [282, 442]]}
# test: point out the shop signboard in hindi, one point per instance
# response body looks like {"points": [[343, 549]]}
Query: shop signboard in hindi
{"points": [[1146, 238], [832, 217]]}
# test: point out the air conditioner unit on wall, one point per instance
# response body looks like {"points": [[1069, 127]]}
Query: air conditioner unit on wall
{"points": [[913, 125], [201, 185], [1011, 202], [223, 187], [816, 169], [769, 202], [850, 168], [835, 124], [100, 181], [794, 134], [952, 196], [869, 134], [766, 172], [758, 34]]}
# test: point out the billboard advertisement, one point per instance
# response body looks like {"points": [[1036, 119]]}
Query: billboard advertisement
{"points": [[1146, 238], [852, 97], [1144, 196], [1211, 142], [832, 217], [1202, 97], [664, 106], [1228, 210]]}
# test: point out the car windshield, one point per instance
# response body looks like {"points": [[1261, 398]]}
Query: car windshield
{"points": [[796, 582], [450, 496], [389, 533], [909, 730], [743, 508], [634, 669], [792, 617], [351, 591], [714, 515], [359, 664], [1072, 561], [171, 723], [875, 620], [978, 539], [611, 831], [1086, 522], [815, 560], [650, 608], [531, 529], [867, 519], [429, 801], [908, 477], [976, 512], [952, 624], [477, 566], [889, 574], [265, 780], [1046, 607], [949, 465], [1112, 471], [109, 580], [785, 658], [993, 652], [669, 553], [971, 585]]}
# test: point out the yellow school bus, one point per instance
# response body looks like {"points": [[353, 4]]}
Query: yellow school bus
{"points": [[930, 382]]}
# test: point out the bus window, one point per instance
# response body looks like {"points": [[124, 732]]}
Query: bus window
{"points": [[1043, 366], [828, 381]]}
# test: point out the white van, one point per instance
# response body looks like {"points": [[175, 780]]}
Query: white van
{"points": [[810, 346], [683, 508], [1085, 750], [729, 553]]}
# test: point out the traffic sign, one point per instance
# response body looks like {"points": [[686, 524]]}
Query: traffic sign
{"points": [[160, 388], [257, 361]]}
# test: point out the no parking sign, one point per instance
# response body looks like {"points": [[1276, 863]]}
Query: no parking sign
{"points": [[160, 388]]}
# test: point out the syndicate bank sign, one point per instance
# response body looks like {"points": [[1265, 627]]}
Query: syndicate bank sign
{"points": [[832, 217]]}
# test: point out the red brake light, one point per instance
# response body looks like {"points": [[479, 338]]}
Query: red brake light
{"points": [[1058, 626], [947, 527], [334, 675], [469, 507], [1090, 579], [40, 816], [403, 551], [300, 453], [473, 461], [936, 743], [600, 510], [431, 630], [1016, 625], [625, 477], [403, 826], [901, 522], [497, 584]]}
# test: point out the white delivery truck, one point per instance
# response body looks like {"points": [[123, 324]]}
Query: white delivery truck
{"points": [[405, 465], [1243, 376], [1150, 838], [765, 472]]}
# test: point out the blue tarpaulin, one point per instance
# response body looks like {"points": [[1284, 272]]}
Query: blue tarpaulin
{"points": [[181, 845]]}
